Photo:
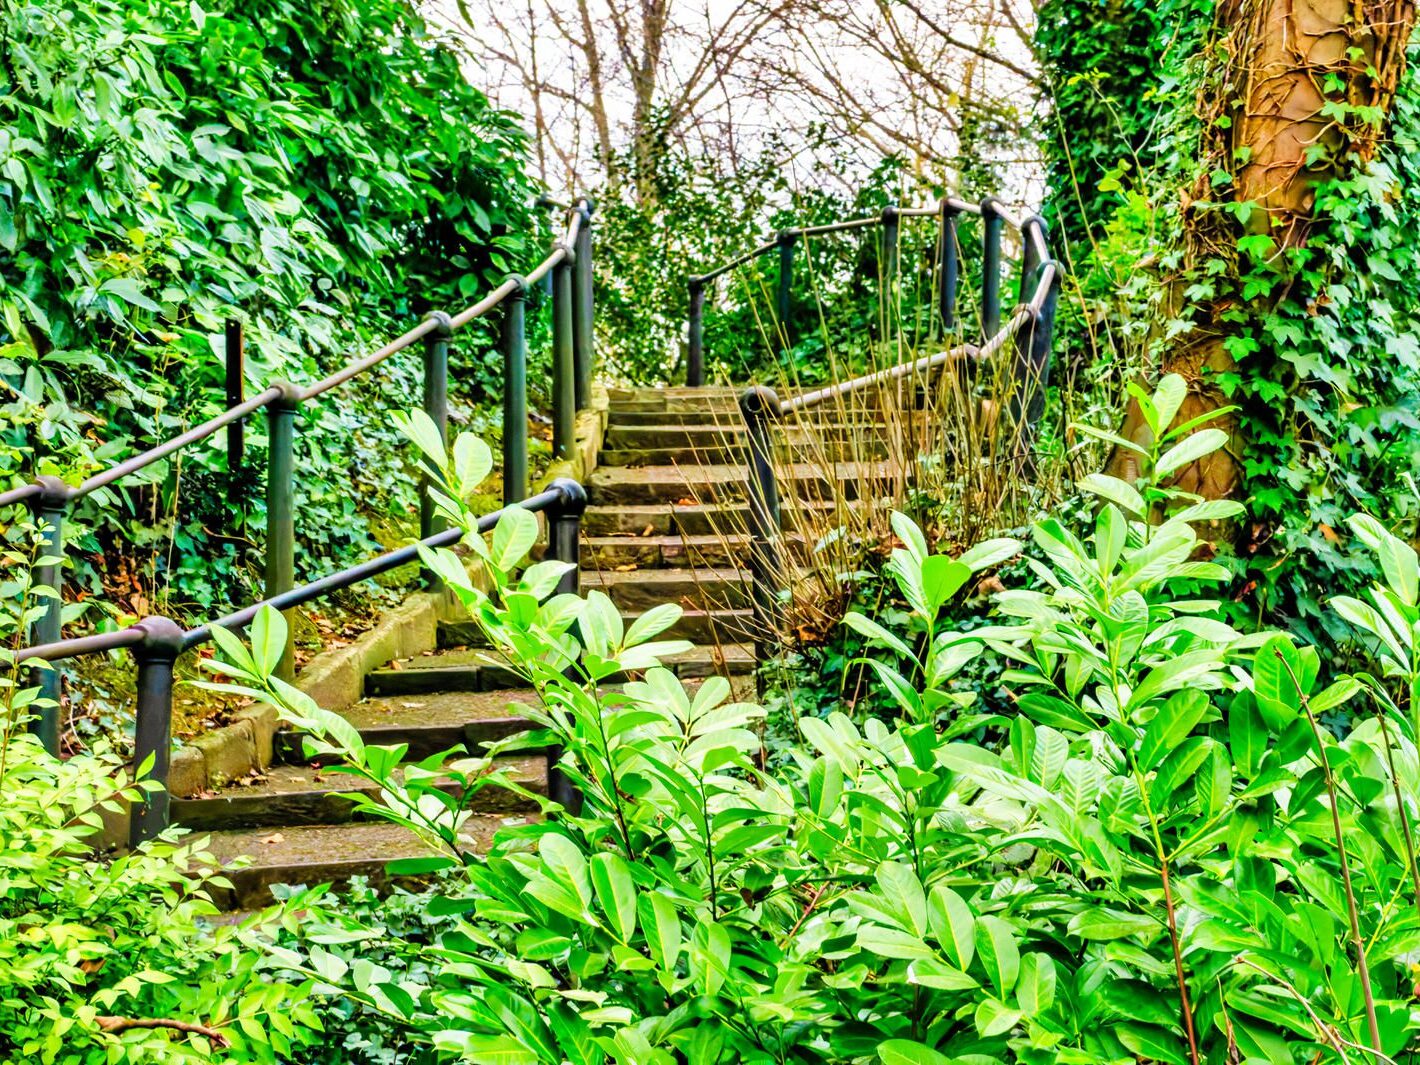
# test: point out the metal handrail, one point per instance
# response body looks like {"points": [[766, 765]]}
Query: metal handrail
{"points": [[948, 209], [115, 473], [157, 641], [50, 498], [1028, 327], [22, 494]]}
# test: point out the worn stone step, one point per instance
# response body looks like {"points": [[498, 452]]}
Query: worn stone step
{"points": [[429, 723], [695, 589], [325, 854], [463, 671], [729, 483], [713, 550], [700, 437], [697, 624], [851, 450], [727, 416], [306, 795], [696, 519]]}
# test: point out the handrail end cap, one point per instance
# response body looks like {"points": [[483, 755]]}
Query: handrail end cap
{"points": [[759, 401], [443, 324]]}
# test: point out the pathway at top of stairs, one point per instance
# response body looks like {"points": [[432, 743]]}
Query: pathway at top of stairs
{"points": [[665, 523]]}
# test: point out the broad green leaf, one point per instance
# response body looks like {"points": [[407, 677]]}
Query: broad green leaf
{"points": [[996, 943], [1190, 449], [1277, 682], [860, 623], [994, 1017], [1168, 397], [1035, 990], [990, 553], [472, 462], [652, 623], [513, 537], [942, 578], [616, 892], [892, 943], [903, 892], [1171, 725], [422, 431], [661, 925], [268, 639], [1101, 922], [710, 956], [907, 1052], [1120, 493], [910, 535]]}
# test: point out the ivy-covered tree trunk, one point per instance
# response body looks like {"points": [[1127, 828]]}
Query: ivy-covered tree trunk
{"points": [[1297, 96]]}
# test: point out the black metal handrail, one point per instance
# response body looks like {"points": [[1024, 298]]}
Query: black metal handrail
{"points": [[1028, 330], [157, 641], [568, 262]]}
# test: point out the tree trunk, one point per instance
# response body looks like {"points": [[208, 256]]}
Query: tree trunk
{"points": [[1306, 88]]}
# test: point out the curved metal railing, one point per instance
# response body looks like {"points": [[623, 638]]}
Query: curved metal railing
{"points": [[568, 261], [1026, 330]]}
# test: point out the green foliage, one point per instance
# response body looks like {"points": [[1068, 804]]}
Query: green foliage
{"points": [[110, 959], [86, 940], [695, 217], [323, 173], [1150, 857], [1328, 368]]}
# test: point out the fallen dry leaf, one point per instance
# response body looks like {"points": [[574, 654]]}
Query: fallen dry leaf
{"points": [[275, 837]]}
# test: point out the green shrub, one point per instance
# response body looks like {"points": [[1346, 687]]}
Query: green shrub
{"points": [[1163, 858]]}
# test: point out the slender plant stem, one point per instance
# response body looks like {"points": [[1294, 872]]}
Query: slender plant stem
{"points": [[1362, 969], [1411, 866]]}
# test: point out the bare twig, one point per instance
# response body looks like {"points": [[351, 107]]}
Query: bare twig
{"points": [[118, 1025]]}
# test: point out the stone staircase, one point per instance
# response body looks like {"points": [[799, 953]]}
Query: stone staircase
{"points": [[666, 523]]}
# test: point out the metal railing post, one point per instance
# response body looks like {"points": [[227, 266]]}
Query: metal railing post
{"points": [[1031, 257], [759, 406], [564, 543], [515, 395], [784, 292], [152, 738], [991, 226], [891, 230], [583, 336], [695, 356], [1031, 372], [49, 509], [948, 266], [436, 405], [281, 510], [235, 357], [564, 369]]}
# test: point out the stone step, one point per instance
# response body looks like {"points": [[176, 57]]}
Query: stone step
{"points": [[429, 723], [728, 483], [726, 416], [712, 551], [695, 589], [327, 854], [738, 453], [695, 519], [701, 437], [464, 671], [696, 624], [306, 795]]}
